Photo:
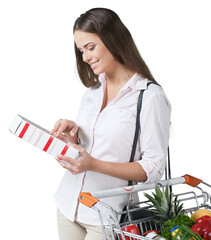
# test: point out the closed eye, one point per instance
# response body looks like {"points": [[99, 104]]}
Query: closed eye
{"points": [[91, 48]]}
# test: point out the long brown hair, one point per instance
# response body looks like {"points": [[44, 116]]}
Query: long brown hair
{"points": [[117, 39]]}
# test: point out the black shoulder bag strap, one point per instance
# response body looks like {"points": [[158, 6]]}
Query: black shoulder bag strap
{"points": [[138, 129]]}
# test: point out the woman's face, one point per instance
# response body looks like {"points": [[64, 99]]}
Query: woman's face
{"points": [[94, 52]]}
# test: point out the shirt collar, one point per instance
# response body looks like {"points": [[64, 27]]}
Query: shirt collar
{"points": [[135, 82]]}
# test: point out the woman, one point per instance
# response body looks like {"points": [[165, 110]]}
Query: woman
{"points": [[110, 66]]}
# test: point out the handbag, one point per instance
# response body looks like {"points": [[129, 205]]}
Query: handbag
{"points": [[139, 213]]}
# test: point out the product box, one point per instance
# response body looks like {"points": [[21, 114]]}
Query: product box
{"points": [[40, 138]]}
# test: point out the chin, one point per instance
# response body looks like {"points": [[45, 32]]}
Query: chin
{"points": [[97, 72]]}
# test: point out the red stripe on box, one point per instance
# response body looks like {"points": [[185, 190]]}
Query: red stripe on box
{"points": [[64, 150], [47, 145], [24, 130]]}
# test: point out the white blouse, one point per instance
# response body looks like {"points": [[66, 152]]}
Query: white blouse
{"points": [[108, 136]]}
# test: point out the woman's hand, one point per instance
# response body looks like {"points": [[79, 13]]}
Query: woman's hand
{"points": [[65, 130], [82, 164]]}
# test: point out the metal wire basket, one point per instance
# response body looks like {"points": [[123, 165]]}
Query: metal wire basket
{"points": [[193, 200]]}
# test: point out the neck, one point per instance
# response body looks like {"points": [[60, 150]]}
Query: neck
{"points": [[119, 76]]}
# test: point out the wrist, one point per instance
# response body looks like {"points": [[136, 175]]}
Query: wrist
{"points": [[93, 164]]}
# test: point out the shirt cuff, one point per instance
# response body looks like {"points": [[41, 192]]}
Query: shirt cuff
{"points": [[153, 175]]}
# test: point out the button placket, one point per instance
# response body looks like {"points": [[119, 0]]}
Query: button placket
{"points": [[93, 129], [115, 100]]}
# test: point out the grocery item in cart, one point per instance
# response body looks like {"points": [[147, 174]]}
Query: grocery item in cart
{"points": [[132, 229], [163, 204], [175, 232], [184, 233], [203, 227], [200, 213], [155, 236], [177, 221]]}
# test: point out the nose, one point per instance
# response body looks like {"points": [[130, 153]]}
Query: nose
{"points": [[86, 57]]}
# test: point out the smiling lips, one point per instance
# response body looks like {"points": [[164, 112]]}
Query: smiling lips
{"points": [[94, 64]]}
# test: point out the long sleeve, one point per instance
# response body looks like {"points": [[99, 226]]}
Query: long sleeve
{"points": [[154, 138]]}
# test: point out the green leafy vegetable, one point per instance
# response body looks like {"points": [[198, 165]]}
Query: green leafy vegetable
{"points": [[185, 233], [179, 220]]}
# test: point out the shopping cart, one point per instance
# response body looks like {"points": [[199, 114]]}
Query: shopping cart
{"points": [[197, 197]]}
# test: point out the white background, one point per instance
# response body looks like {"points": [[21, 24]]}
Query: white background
{"points": [[38, 81]]}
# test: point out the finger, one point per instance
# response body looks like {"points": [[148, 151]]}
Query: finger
{"points": [[79, 148], [61, 128], [66, 159], [56, 127], [63, 164], [65, 124], [52, 131], [67, 166], [74, 130], [63, 138]]}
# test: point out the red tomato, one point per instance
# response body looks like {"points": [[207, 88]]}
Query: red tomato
{"points": [[204, 225], [147, 232], [207, 233], [206, 217], [195, 228]]}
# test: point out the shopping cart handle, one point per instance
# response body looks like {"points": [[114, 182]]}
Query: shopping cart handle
{"points": [[93, 196], [87, 199], [192, 181]]}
